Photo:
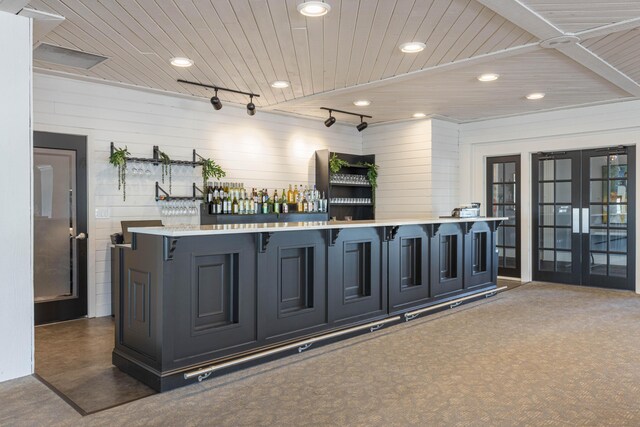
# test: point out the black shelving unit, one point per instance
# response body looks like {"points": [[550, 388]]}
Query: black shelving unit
{"points": [[161, 194], [357, 211], [155, 159]]}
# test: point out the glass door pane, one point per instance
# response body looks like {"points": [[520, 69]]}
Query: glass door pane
{"points": [[55, 254], [503, 200], [556, 197], [609, 191]]}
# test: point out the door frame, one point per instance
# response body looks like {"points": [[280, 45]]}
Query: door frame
{"points": [[78, 143], [490, 161]]}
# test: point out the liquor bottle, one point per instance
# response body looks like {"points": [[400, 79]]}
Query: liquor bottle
{"points": [[323, 204], [305, 203], [217, 202], [295, 195], [289, 195], [265, 201], [299, 202], [241, 208], [252, 203], [276, 202], [285, 205], [234, 205]]}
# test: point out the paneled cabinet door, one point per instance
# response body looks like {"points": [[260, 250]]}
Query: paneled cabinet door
{"points": [[478, 255], [446, 260], [292, 284], [408, 268], [356, 288], [212, 312]]}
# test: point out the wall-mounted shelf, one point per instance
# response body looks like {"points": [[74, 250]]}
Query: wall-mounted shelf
{"points": [[155, 159], [360, 189], [162, 195]]}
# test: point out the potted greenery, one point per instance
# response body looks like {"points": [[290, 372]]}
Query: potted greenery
{"points": [[118, 158], [372, 176], [336, 163], [165, 160], [210, 169]]}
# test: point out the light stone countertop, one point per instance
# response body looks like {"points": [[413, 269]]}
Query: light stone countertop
{"points": [[270, 227]]}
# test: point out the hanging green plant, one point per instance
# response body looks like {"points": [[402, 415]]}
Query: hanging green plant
{"points": [[118, 158], [210, 169], [336, 163], [166, 167], [372, 176]]}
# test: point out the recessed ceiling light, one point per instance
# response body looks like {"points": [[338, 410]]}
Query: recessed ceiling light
{"points": [[180, 61], [314, 8], [362, 102], [535, 95], [412, 47], [280, 84], [488, 77], [419, 115]]}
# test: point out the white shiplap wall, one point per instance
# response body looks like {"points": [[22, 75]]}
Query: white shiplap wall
{"points": [[418, 167], [16, 226], [266, 150], [579, 128]]}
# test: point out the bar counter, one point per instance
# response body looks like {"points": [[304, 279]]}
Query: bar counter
{"points": [[191, 301]]}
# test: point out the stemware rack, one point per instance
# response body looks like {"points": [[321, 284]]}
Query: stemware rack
{"points": [[161, 194]]}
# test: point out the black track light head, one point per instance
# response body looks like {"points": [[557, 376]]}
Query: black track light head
{"points": [[215, 101], [362, 126], [251, 107], [330, 121]]}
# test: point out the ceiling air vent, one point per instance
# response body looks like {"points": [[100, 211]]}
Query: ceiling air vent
{"points": [[68, 57]]}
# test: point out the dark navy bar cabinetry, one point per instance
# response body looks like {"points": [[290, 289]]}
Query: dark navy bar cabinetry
{"points": [[187, 299]]}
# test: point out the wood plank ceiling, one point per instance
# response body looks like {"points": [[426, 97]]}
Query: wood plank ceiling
{"points": [[352, 52]]}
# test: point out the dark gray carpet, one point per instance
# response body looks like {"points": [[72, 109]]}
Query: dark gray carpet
{"points": [[537, 355]]}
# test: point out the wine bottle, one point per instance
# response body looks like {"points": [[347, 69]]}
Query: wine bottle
{"points": [[276, 202], [265, 201], [295, 195], [234, 205], [285, 205]]}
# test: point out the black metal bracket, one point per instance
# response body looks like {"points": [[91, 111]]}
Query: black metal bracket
{"points": [[264, 241], [332, 235], [169, 245], [196, 190], [391, 232]]}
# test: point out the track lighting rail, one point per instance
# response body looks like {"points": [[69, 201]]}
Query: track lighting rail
{"points": [[219, 88], [330, 110]]}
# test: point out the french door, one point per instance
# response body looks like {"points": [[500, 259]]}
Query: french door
{"points": [[503, 200], [60, 225], [584, 217]]}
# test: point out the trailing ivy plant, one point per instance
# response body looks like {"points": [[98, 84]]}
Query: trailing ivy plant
{"points": [[118, 158], [336, 163], [210, 169], [166, 167], [372, 176]]}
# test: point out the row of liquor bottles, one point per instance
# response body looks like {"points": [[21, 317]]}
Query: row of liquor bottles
{"points": [[226, 198]]}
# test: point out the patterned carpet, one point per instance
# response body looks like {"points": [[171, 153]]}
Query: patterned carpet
{"points": [[540, 354]]}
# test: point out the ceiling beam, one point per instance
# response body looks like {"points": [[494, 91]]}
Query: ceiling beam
{"points": [[479, 59], [604, 30], [529, 20]]}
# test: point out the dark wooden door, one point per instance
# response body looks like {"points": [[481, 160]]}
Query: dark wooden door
{"points": [[584, 218], [503, 200], [60, 227]]}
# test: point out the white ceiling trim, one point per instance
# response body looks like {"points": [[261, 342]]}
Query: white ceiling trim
{"points": [[493, 56], [537, 25], [604, 30]]}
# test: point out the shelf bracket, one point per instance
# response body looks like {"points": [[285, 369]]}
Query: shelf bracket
{"points": [[332, 235], [434, 229], [467, 226], [196, 190], [391, 232], [264, 241], [493, 225], [158, 190], [169, 245]]}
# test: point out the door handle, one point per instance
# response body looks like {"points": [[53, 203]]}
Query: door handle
{"points": [[81, 236], [576, 220], [585, 220]]}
